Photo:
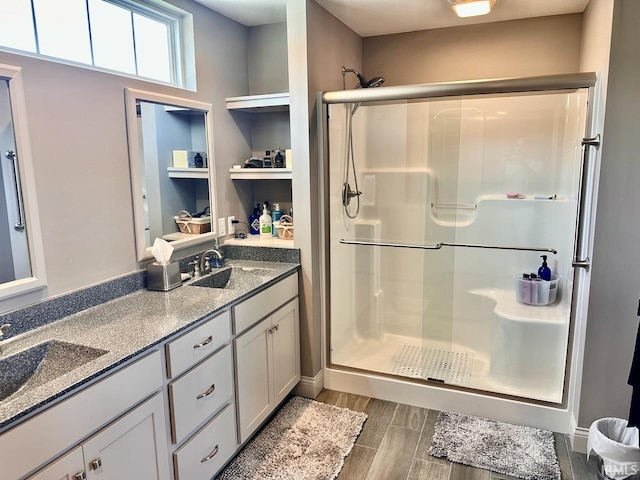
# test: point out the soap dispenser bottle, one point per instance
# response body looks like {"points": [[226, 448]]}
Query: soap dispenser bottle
{"points": [[544, 272], [265, 222], [276, 213], [254, 220]]}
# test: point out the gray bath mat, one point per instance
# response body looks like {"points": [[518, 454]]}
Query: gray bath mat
{"points": [[521, 452], [305, 440]]}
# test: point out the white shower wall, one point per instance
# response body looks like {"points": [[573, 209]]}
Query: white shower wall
{"points": [[438, 171]]}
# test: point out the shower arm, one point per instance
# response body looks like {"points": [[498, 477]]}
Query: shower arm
{"points": [[439, 245]]}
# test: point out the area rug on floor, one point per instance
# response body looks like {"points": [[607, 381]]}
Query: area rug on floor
{"points": [[305, 440], [521, 452]]}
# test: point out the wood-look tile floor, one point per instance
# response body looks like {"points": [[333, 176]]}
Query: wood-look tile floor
{"points": [[395, 440]]}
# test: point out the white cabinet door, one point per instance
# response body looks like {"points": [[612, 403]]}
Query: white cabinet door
{"points": [[69, 467], [253, 376], [286, 350], [134, 446]]}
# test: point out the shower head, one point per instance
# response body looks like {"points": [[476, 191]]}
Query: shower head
{"points": [[374, 82]]}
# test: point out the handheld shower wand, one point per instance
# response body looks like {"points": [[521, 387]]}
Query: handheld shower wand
{"points": [[347, 193]]}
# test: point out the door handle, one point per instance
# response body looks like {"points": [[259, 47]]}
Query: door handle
{"points": [[82, 475], [206, 342], [207, 393], [96, 464], [211, 455]]}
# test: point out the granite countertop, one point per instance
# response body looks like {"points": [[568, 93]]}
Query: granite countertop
{"points": [[125, 327]]}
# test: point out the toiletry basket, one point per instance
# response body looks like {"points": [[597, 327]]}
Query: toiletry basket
{"points": [[284, 227], [188, 224]]}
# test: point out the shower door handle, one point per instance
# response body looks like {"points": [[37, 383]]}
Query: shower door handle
{"points": [[585, 199], [11, 155]]}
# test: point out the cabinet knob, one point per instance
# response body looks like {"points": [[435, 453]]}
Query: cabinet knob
{"points": [[210, 456], [82, 475], [96, 464], [206, 342], [207, 393]]}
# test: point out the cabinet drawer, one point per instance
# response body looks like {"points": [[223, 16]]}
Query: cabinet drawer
{"points": [[209, 449], [197, 344], [262, 304], [200, 392]]}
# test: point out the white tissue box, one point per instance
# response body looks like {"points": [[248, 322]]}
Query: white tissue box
{"points": [[163, 277]]}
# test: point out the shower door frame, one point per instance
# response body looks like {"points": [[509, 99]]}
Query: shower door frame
{"points": [[558, 417]]}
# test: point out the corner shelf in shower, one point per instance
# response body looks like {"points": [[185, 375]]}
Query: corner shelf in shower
{"points": [[260, 173], [270, 102], [509, 308]]}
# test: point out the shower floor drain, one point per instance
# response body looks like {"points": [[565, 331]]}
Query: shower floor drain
{"points": [[428, 363]]}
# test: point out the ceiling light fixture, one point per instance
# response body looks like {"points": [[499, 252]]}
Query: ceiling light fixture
{"points": [[471, 8]]}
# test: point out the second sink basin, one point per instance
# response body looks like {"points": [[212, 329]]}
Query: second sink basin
{"points": [[233, 278], [40, 364]]}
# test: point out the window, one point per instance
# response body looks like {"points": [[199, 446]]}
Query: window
{"points": [[135, 37]]}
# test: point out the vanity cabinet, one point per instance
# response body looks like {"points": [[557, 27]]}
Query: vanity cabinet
{"points": [[128, 448], [69, 467], [200, 389], [135, 440], [267, 366]]}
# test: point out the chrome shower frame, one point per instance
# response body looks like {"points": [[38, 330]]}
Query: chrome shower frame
{"points": [[558, 416]]}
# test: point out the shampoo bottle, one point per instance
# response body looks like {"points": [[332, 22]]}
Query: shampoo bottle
{"points": [[254, 220], [544, 272], [265, 223], [275, 217]]}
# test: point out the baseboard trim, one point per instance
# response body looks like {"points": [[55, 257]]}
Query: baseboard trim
{"points": [[310, 387], [579, 440]]}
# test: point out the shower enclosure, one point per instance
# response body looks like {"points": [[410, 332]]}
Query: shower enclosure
{"points": [[461, 188]]}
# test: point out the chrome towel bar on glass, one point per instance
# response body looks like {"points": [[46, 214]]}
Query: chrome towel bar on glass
{"points": [[439, 245]]}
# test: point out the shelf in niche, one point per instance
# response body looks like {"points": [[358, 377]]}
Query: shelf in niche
{"points": [[270, 102], [175, 172], [260, 173]]}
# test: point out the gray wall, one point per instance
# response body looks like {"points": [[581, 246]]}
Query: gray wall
{"points": [[323, 44], [517, 48], [615, 277], [268, 69], [77, 127]]}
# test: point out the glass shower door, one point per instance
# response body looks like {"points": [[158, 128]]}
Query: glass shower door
{"points": [[459, 198]]}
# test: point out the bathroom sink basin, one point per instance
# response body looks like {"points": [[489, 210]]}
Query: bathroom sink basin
{"points": [[40, 364], [234, 278]]}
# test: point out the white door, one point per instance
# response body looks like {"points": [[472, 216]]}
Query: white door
{"points": [[134, 446], [253, 374], [69, 467], [286, 350]]}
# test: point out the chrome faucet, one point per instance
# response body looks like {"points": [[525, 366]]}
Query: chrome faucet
{"points": [[205, 265]]}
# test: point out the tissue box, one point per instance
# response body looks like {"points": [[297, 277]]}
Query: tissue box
{"points": [[187, 159], [163, 277]]}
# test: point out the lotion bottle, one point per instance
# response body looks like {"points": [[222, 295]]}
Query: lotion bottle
{"points": [[265, 223], [544, 272], [276, 213]]}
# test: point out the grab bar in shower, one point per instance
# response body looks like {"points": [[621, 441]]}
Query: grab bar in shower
{"points": [[439, 245], [460, 206], [11, 155]]}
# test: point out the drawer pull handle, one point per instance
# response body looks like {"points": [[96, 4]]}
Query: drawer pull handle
{"points": [[211, 455], [207, 393], [96, 464], [82, 475], [206, 342]]}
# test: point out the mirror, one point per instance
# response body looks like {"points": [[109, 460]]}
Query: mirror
{"points": [[171, 161], [21, 253]]}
